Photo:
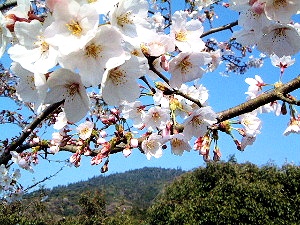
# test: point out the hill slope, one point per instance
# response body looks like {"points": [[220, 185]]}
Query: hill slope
{"points": [[133, 189]]}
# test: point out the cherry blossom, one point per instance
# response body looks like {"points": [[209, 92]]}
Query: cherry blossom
{"points": [[255, 84], [251, 123], [135, 111], [5, 35], [66, 85], [61, 121], [293, 127], [186, 66], [156, 117], [103, 51], [33, 52], [129, 16], [152, 146], [85, 129], [186, 33], [282, 63], [280, 39], [199, 121], [31, 87], [204, 3], [282, 10], [247, 140], [156, 45], [21, 161], [120, 79], [179, 144], [72, 27]]}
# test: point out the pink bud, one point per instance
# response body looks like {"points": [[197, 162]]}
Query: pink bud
{"points": [[258, 7], [35, 140], [134, 142], [127, 152], [251, 2], [103, 133], [51, 3], [101, 141], [164, 63], [115, 112]]}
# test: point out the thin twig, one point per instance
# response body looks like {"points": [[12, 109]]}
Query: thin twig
{"points": [[218, 29]]}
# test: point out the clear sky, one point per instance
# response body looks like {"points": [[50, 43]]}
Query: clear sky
{"points": [[225, 92]]}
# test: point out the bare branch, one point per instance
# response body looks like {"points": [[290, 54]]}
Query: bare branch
{"points": [[259, 101], [215, 30], [6, 156]]}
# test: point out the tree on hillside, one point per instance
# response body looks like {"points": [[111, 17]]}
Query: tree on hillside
{"points": [[230, 193], [113, 76]]}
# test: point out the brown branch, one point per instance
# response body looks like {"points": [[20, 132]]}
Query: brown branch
{"points": [[215, 30], [259, 101], [265, 98], [8, 4], [6, 156], [196, 101]]}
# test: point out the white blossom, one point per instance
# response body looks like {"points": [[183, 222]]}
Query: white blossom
{"points": [[66, 85], [152, 146], [186, 66], [179, 144], [199, 121], [85, 129]]}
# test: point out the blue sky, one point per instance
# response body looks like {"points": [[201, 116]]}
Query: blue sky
{"points": [[225, 92]]}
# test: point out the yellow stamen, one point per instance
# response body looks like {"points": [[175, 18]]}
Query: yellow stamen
{"points": [[124, 19], [181, 36], [185, 65], [93, 50], [117, 76], [74, 27]]}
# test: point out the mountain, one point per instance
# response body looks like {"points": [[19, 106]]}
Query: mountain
{"points": [[131, 189]]}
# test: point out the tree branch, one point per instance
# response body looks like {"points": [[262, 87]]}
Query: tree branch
{"points": [[259, 101], [6, 156], [215, 30]]}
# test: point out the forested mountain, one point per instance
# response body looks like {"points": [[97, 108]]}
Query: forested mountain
{"points": [[134, 188], [219, 194]]}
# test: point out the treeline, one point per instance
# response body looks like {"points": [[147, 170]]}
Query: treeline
{"points": [[220, 193]]}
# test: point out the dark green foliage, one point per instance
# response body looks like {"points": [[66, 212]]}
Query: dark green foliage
{"points": [[230, 193], [222, 193], [121, 198]]}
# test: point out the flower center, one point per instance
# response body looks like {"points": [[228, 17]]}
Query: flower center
{"points": [[185, 65], [117, 76], [150, 144], [181, 36], [155, 116], [30, 82], [73, 89], [176, 142], [74, 27], [42, 44], [279, 35], [93, 50], [196, 121], [279, 3], [124, 19], [84, 131]]}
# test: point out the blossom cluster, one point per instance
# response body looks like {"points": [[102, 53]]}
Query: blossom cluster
{"points": [[127, 78], [268, 25], [9, 187], [82, 45]]}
